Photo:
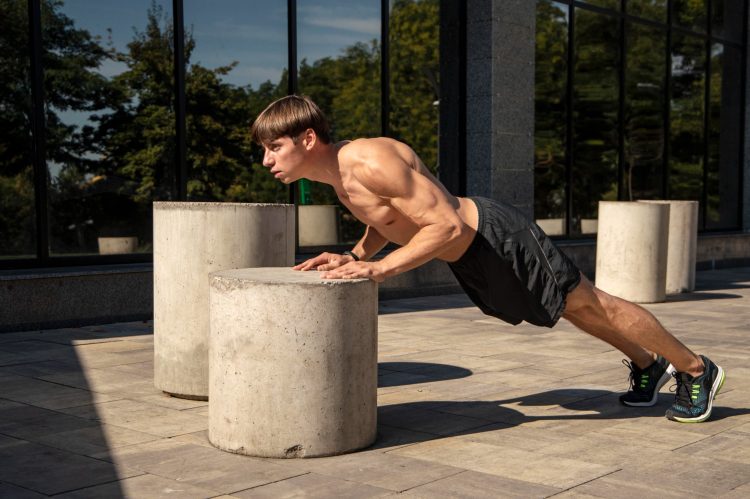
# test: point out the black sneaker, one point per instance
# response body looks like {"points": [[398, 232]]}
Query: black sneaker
{"points": [[695, 396], [646, 383]]}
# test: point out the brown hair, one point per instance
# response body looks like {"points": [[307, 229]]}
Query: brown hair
{"points": [[290, 116]]}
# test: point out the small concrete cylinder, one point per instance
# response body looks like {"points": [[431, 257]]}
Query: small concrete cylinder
{"points": [[631, 250], [318, 224], [682, 245], [293, 363], [190, 241], [117, 245]]}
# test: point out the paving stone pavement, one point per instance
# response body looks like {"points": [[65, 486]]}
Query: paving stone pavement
{"points": [[468, 407]]}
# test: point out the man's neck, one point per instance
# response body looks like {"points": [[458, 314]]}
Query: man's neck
{"points": [[324, 165]]}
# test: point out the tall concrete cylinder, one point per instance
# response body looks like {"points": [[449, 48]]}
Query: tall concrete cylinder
{"points": [[631, 250], [190, 241], [293, 363], [682, 245]]}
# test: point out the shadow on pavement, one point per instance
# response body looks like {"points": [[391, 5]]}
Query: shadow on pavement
{"points": [[45, 448], [430, 420], [411, 373]]}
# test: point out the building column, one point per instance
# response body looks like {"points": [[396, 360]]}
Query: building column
{"points": [[500, 101], [745, 137]]}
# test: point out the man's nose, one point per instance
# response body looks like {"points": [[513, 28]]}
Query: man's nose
{"points": [[267, 160]]}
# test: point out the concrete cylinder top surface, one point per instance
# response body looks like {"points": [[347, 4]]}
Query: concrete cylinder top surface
{"points": [[293, 363], [191, 240], [682, 245], [631, 250]]}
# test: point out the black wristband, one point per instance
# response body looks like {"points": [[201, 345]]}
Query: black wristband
{"points": [[351, 254]]}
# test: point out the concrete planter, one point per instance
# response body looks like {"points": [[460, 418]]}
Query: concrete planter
{"points": [[631, 250], [318, 225], [190, 241], [293, 363], [552, 226], [117, 245], [682, 245]]}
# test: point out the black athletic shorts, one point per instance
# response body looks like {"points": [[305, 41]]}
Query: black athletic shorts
{"points": [[512, 270]]}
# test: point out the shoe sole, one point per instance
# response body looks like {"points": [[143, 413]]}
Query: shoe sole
{"points": [[711, 396], [662, 381]]}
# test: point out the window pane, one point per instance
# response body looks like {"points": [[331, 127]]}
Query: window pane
{"points": [[16, 171], [339, 68], [722, 188], [655, 10], [726, 19], [644, 112], [595, 127], [110, 124], [236, 55], [608, 4], [686, 118], [690, 14], [414, 67], [550, 116]]}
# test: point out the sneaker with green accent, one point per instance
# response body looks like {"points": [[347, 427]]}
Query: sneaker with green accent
{"points": [[646, 383], [695, 396]]}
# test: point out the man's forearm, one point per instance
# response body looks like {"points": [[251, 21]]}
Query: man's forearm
{"points": [[372, 242]]}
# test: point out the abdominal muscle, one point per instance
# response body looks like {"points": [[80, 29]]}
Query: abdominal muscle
{"points": [[398, 229]]}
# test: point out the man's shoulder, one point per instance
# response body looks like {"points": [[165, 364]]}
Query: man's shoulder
{"points": [[365, 150]]}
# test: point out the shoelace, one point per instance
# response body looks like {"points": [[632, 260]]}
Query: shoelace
{"points": [[683, 397], [638, 378]]}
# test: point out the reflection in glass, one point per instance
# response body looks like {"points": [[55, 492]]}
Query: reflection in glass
{"points": [[607, 4], [690, 14], [339, 53], [722, 184], [654, 10], [726, 19], [414, 69], [686, 120], [644, 115], [236, 55], [16, 169], [550, 116], [595, 126], [110, 124]]}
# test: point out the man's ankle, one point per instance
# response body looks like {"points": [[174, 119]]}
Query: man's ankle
{"points": [[697, 368]]}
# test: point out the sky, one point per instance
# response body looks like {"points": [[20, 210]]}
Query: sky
{"points": [[251, 32]]}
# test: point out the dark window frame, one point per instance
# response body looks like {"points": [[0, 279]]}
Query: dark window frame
{"points": [[708, 39]]}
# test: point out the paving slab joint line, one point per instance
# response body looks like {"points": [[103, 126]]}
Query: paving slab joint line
{"points": [[275, 481], [463, 470], [93, 485], [584, 483], [22, 487]]}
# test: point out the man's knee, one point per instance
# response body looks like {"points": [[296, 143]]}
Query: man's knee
{"points": [[587, 301]]}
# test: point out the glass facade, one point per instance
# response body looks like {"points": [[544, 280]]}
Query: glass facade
{"points": [[115, 135], [17, 212], [635, 99], [638, 99]]}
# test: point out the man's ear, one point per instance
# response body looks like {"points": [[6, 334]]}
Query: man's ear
{"points": [[309, 138]]}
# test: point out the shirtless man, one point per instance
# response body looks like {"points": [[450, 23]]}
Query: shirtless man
{"points": [[504, 262]]}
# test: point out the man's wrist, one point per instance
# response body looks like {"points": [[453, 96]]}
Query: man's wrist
{"points": [[353, 255]]}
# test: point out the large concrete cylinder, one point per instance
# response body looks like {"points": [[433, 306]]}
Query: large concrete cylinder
{"points": [[682, 245], [190, 241], [631, 250], [293, 363]]}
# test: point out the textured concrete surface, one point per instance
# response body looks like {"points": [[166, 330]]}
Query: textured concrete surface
{"points": [[192, 240], [292, 363], [682, 245], [467, 407], [631, 250]]}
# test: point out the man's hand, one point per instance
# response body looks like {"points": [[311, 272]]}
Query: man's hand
{"points": [[355, 270], [324, 261]]}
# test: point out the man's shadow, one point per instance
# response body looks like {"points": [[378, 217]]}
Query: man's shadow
{"points": [[428, 420]]}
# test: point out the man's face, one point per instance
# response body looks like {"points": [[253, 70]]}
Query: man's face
{"points": [[284, 157]]}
